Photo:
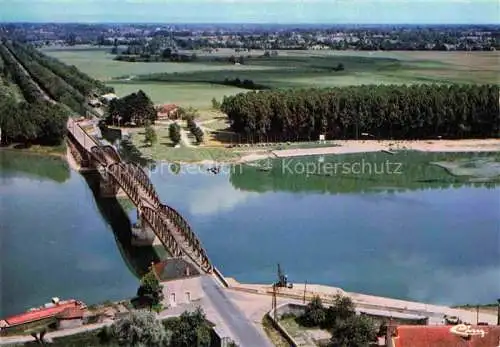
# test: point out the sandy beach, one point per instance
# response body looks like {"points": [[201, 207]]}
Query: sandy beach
{"points": [[354, 146]]}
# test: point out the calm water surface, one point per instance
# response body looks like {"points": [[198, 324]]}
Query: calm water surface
{"points": [[421, 235]]}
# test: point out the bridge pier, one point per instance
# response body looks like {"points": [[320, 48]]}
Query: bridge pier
{"points": [[142, 233], [107, 186]]}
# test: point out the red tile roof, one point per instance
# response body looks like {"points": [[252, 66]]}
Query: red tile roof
{"points": [[441, 336], [41, 313], [167, 108], [71, 313]]}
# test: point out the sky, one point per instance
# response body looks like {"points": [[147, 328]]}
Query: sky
{"points": [[254, 11]]}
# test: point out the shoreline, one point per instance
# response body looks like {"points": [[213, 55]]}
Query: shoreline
{"points": [[369, 146], [36, 151]]}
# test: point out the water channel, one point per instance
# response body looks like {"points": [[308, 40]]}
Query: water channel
{"points": [[430, 232]]}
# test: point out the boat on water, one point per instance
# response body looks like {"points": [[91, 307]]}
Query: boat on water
{"points": [[47, 312]]}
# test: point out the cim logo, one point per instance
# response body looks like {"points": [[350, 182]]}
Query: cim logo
{"points": [[467, 331]]}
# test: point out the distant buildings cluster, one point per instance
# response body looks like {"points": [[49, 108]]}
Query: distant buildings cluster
{"points": [[452, 37]]}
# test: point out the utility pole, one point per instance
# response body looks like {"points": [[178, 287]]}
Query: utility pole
{"points": [[305, 286], [274, 304], [477, 314]]}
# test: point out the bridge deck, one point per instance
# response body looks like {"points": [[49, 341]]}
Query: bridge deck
{"points": [[168, 225]]}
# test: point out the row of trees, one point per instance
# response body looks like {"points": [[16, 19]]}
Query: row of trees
{"points": [[347, 328], [383, 111], [194, 129], [12, 71], [32, 120], [54, 85], [136, 108], [80, 81]]}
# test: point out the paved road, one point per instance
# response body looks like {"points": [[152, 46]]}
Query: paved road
{"points": [[243, 330]]}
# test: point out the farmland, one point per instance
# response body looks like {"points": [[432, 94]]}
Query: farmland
{"points": [[195, 84]]}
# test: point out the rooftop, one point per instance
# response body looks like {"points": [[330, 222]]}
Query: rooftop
{"points": [[444, 336]]}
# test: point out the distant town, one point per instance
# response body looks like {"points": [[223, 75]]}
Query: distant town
{"points": [[263, 37]]}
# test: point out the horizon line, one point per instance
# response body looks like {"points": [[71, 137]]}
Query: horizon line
{"points": [[244, 23]]}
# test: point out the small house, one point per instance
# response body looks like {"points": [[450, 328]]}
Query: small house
{"points": [[167, 112]]}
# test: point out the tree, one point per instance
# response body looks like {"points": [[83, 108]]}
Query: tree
{"points": [[191, 329], [134, 108], [342, 309], [150, 135], [355, 331], [140, 329], [314, 314], [150, 289], [174, 132], [215, 104]]}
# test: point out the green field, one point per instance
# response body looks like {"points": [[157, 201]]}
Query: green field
{"points": [[198, 95], [195, 84]]}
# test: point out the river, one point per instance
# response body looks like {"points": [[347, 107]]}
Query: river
{"points": [[420, 233]]}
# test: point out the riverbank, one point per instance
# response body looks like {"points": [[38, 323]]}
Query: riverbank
{"points": [[357, 146], [383, 305], [56, 151], [164, 151]]}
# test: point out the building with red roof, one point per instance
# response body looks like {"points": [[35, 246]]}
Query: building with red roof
{"points": [[167, 111], [62, 309], [443, 336]]}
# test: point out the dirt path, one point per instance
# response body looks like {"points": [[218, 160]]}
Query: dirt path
{"points": [[185, 138]]}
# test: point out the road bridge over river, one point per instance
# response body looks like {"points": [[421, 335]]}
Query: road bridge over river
{"points": [[168, 225]]}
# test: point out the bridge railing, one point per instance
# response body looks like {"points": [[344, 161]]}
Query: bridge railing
{"points": [[132, 178], [188, 235], [153, 218]]}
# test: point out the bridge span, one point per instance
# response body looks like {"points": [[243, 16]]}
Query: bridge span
{"points": [[173, 231]]}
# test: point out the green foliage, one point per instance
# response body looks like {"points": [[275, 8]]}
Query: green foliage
{"points": [[39, 122], [383, 111], [54, 85], [80, 81], [134, 108], [174, 132], [348, 329], [191, 329], [342, 309], [194, 129], [150, 135], [150, 290], [140, 329], [314, 314], [354, 331], [215, 104]]}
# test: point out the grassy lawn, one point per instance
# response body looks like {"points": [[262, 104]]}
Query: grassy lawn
{"points": [[164, 151], [196, 95], [302, 335], [274, 335]]}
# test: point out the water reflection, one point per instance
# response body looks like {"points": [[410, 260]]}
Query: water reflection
{"points": [[137, 259], [361, 173], [40, 166], [420, 235]]}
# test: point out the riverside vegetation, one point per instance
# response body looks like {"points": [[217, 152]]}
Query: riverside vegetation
{"points": [[384, 112]]}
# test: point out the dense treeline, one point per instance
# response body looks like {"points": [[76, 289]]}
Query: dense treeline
{"points": [[11, 70], [80, 81], [55, 86], [136, 108], [32, 120], [37, 122], [383, 112]]}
